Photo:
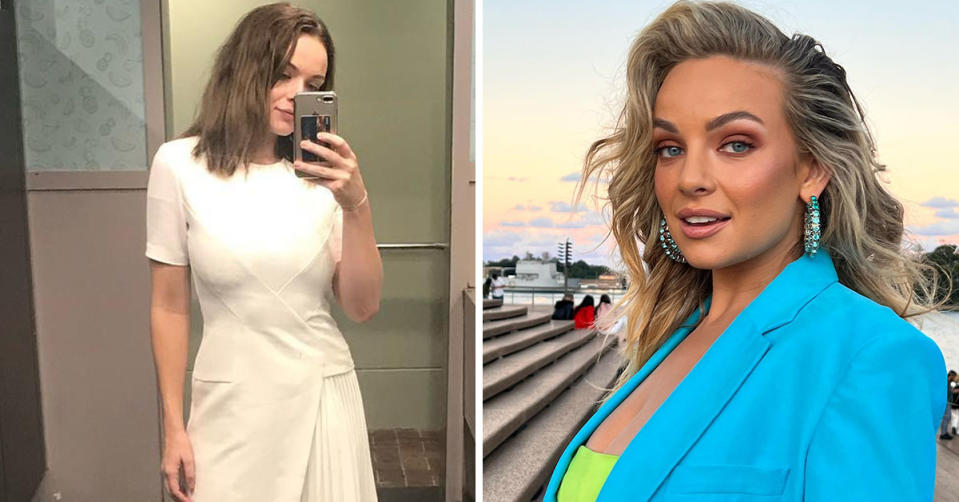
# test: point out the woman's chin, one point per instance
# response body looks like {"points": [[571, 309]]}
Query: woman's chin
{"points": [[706, 259], [281, 128]]}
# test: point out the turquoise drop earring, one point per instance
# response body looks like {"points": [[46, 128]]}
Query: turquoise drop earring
{"points": [[669, 245], [812, 230]]}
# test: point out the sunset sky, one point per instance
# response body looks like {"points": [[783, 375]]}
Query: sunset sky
{"points": [[553, 81]]}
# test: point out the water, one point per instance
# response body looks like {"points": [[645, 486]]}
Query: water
{"points": [[943, 328]]}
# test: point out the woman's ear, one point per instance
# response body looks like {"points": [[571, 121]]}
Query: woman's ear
{"points": [[813, 178]]}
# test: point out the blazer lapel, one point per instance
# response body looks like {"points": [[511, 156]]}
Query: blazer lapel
{"points": [[616, 399], [686, 413]]}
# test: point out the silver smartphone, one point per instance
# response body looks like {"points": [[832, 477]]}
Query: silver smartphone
{"points": [[313, 113]]}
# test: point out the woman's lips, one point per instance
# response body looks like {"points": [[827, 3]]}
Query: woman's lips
{"points": [[702, 230], [286, 114]]}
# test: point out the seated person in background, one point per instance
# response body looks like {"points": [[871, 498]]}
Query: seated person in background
{"points": [[584, 315], [563, 311], [605, 305], [497, 286]]}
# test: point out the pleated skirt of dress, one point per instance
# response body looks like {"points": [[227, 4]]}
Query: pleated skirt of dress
{"points": [[321, 445], [340, 467]]}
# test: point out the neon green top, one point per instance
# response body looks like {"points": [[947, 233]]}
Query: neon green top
{"points": [[585, 476]]}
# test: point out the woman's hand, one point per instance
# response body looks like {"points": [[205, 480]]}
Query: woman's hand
{"points": [[340, 171], [178, 451]]}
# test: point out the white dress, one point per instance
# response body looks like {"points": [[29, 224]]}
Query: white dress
{"points": [[276, 413]]}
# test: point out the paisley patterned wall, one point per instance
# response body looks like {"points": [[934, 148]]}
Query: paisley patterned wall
{"points": [[81, 84]]}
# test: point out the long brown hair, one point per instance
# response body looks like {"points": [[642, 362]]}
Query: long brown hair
{"points": [[233, 118], [863, 222]]}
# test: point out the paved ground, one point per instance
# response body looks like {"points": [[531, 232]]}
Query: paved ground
{"points": [[947, 472]]}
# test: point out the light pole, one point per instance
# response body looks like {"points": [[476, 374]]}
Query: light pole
{"points": [[565, 253]]}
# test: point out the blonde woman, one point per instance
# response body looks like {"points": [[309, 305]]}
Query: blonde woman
{"points": [[276, 412], [769, 358]]}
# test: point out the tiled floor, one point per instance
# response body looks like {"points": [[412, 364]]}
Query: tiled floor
{"points": [[407, 458]]}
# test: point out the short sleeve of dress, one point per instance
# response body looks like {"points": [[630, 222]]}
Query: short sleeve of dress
{"points": [[166, 214], [336, 235]]}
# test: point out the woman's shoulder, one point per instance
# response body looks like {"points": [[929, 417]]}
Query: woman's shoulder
{"points": [[176, 153], [844, 322], [847, 307], [176, 156], [179, 148]]}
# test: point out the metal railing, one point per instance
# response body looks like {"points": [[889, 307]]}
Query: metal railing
{"points": [[528, 295], [414, 245]]}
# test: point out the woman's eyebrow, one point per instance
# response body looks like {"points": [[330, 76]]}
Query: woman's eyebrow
{"points": [[665, 124], [712, 124], [729, 117]]}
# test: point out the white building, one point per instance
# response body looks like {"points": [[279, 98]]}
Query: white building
{"points": [[535, 273]]}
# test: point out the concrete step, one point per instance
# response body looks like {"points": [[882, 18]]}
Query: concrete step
{"points": [[504, 312], [489, 303], [506, 372], [500, 346], [518, 469], [505, 413], [493, 328]]}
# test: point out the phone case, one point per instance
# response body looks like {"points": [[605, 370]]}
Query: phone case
{"points": [[313, 112]]}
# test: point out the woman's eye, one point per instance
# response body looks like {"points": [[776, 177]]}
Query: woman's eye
{"points": [[669, 151], [736, 147]]}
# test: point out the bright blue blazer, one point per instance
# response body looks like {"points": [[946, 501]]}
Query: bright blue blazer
{"points": [[813, 393]]}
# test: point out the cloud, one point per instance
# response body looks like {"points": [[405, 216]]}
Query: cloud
{"points": [[563, 207], [949, 212], [577, 177], [927, 242], [571, 224], [939, 202], [501, 238], [520, 207], [586, 244], [512, 224], [593, 218], [541, 223], [549, 241], [938, 228]]}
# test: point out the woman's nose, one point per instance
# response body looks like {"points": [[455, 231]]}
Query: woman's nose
{"points": [[296, 86], [695, 173]]}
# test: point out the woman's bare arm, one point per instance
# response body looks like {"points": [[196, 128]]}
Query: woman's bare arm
{"points": [[358, 278], [359, 275], [170, 334]]}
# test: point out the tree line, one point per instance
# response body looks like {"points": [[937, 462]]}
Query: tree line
{"points": [[945, 259]]}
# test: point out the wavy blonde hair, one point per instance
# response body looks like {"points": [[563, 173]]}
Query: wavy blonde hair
{"points": [[863, 223]]}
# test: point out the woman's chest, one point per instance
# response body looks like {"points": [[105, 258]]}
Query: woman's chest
{"points": [[271, 227], [614, 434]]}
